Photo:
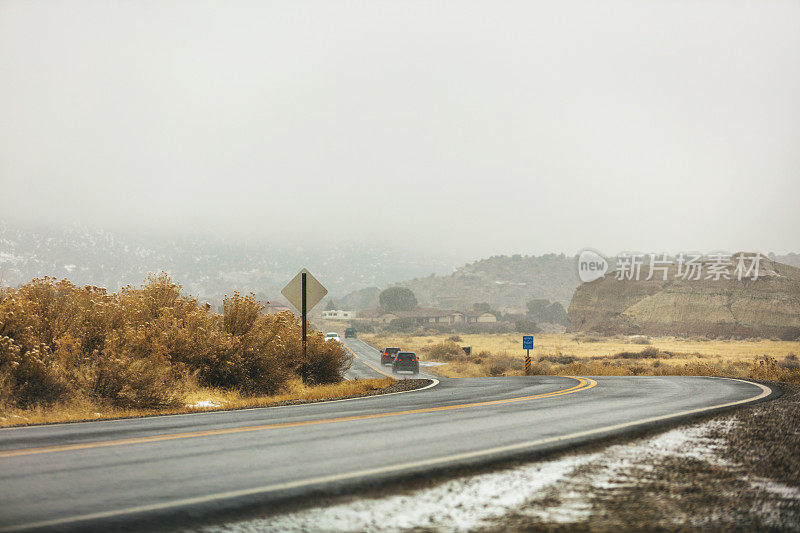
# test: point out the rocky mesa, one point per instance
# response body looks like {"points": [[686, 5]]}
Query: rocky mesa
{"points": [[764, 306]]}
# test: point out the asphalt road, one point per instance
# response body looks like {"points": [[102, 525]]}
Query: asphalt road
{"points": [[142, 472], [367, 363]]}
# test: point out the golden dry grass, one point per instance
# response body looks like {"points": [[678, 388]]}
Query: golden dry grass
{"points": [[561, 354], [197, 400]]}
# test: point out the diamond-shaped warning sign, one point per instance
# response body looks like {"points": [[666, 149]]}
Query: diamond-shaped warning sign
{"points": [[293, 291]]}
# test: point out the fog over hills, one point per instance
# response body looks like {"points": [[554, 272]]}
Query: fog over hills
{"points": [[208, 268]]}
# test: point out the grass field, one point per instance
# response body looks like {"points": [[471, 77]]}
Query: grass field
{"points": [[561, 354], [201, 399]]}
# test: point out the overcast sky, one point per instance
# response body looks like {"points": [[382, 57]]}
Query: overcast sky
{"points": [[474, 127]]}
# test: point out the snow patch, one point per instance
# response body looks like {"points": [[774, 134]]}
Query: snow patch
{"points": [[203, 404], [459, 504], [779, 489], [614, 468]]}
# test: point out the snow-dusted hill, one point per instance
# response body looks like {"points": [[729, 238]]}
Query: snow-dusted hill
{"points": [[208, 268]]}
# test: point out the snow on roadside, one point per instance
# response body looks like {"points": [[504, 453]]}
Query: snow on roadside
{"points": [[779, 489], [615, 468], [457, 504], [472, 502], [203, 404]]}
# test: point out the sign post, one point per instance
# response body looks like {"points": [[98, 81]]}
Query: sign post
{"points": [[527, 345], [304, 292], [304, 314]]}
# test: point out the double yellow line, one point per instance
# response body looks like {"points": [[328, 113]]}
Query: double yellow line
{"points": [[583, 384], [376, 369]]}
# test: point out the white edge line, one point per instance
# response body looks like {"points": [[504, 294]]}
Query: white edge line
{"points": [[765, 391], [218, 411], [130, 418]]}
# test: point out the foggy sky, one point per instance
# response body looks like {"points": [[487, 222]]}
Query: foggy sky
{"points": [[475, 127]]}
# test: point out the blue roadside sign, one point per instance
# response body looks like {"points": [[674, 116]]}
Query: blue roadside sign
{"points": [[527, 342]]}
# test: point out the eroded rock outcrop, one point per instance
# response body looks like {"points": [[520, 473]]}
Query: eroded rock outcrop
{"points": [[768, 306]]}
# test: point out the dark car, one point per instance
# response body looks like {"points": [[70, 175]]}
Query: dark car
{"points": [[387, 355], [350, 333], [406, 361]]}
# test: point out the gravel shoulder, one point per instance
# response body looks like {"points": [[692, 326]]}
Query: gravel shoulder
{"points": [[738, 471]]}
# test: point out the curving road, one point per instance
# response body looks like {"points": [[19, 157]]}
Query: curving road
{"points": [[174, 469], [367, 363]]}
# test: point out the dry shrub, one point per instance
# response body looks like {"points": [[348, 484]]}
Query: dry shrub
{"points": [[595, 368], [767, 367], [558, 359], [328, 361], [586, 338], [648, 353], [540, 369], [790, 362], [497, 370], [143, 346], [445, 351]]}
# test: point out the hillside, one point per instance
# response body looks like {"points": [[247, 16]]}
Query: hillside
{"points": [[208, 267], [502, 281], [765, 307]]}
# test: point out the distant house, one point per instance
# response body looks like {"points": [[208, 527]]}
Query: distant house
{"points": [[338, 314], [421, 315], [476, 317]]}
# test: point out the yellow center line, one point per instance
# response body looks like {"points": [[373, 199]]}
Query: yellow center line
{"points": [[583, 384], [376, 369]]}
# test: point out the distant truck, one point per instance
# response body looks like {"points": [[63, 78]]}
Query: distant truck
{"points": [[350, 333]]}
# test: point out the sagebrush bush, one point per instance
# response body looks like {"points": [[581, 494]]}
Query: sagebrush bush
{"points": [[142, 346], [647, 353], [559, 359], [790, 362], [497, 370], [445, 351], [767, 367]]}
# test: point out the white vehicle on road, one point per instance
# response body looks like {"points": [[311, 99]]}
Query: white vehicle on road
{"points": [[332, 336]]}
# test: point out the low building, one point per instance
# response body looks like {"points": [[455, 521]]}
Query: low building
{"points": [[421, 315], [338, 314], [475, 317]]}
